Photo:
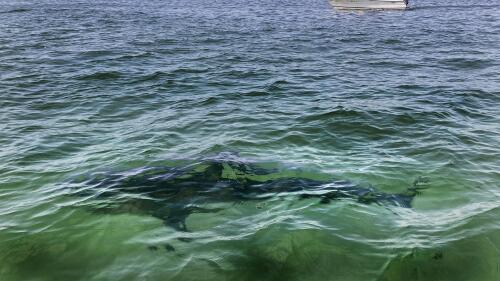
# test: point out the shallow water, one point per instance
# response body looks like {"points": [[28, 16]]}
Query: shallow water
{"points": [[376, 98]]}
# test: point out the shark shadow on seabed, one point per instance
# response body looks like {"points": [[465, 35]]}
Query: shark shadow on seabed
{"points": [[173, 193]]}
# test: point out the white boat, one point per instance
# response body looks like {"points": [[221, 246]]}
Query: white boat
{"points": [[369, 4]]}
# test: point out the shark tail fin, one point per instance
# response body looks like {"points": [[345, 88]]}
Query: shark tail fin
{"points": [[405, 199], [419, 184]]}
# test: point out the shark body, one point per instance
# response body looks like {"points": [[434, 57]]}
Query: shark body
{"points": [[173, 193]]}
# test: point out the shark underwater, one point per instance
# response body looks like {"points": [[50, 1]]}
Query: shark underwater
{"points": [[173, 193]]}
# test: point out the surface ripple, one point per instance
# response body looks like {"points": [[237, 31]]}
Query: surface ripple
{"points": [[378, 98]]}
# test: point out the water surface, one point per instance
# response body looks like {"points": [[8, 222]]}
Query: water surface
{"points": [[377, 98]]}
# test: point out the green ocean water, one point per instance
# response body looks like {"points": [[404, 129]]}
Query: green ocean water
{"points": [[376, 98]]}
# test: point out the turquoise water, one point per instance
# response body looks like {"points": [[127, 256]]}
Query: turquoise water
{"points": [[376, 98]]}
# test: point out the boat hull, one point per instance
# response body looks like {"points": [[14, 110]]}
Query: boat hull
{"points": [[369, 4]]}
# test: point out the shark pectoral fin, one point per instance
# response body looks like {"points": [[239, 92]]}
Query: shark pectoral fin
{"points": [[325, 200], [177, 223], [177, 216]]}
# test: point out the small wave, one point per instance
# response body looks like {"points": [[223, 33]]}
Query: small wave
{"points": [[101, 75], [211, 40], [391, 63], [19, 10], [337, 112], [277, 85], [155, 76], [391, 41], [254, 94], [166, 41], [410, 87], [466, 63], [470, 112], [209, 101], [187, 70], [44, 154], [294, 138], [96, 53], [246, 74], [351, 39], [135, 56]]}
